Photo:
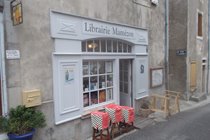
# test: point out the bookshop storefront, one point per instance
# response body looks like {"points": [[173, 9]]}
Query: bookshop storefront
{"points": [[96, 63]]}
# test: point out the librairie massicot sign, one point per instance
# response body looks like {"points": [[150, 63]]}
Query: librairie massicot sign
{"points": [[106, 29], [81, 28]]}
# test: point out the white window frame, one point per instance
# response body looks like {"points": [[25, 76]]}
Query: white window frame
{"points": [[98, 89]]}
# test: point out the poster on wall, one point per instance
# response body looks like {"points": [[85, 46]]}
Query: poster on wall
{"points": [[69, 75], [156, 77]]}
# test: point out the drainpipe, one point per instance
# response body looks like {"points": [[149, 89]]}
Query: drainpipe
{"points": [[207, 83], [166, 45], [3, 73]]}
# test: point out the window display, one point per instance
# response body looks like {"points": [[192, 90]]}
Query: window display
{"points": [[97, 82], [85, 84], [102, 96], [86, 99], [102, 80], [93, 67], [94, 97], [109, 94]]}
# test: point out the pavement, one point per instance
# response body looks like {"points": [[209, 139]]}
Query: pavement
{"points": [[160, 117]]}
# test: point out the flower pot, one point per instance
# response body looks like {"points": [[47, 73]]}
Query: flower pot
{"points": [[27, 136], [144, 112]]}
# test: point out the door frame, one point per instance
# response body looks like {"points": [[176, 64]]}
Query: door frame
{"points": [[130, 84]]}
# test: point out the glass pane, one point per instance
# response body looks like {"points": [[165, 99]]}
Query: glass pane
{"points": [[86, 99], [129, 48], [109, 46], [90, 46], [96, 46], [85, 68], [109, 94], [94, 97], [102, 96], [109, 80], [93, 83], [125, 48], [121, 76], [114, 46], [125, 65], [109, 67], [86, 84], [125, 76], [121, 87], [102, 81], [103, 46], [121, 65], [93, 67], [101, 66], [125, 87], [120, 46], [84, 46]]}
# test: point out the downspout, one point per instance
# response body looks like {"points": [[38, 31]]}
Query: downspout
{"points": [[3, 73], [207, 83], [166, 45]]}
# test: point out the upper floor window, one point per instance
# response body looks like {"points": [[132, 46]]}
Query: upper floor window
{"points": [[200, 22], [106, 46]]}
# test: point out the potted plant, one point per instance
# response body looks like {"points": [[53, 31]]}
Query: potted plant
{"points": [[21, 122], [145, 110]]}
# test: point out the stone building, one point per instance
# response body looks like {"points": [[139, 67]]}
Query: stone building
{"points": [[188, 48], [80, 56]]}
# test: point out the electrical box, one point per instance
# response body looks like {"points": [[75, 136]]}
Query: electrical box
{"points": [[155, 2], [32, 98]]}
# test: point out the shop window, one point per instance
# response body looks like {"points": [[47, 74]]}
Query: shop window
{"points": [[97, 82], [200, 30], [106, 46]]}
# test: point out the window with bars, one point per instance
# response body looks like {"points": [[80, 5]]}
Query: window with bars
{"points": [[97, 82]]}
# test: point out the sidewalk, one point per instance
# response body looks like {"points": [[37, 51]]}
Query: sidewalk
{"points": [[159, 117]]}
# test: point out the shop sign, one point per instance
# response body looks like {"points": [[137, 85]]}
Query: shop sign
{"points": [[99, 28], [16, 12], [81, 28], [181, 52]]}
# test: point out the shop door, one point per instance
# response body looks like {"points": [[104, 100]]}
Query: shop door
{"points": [[125, 82]]}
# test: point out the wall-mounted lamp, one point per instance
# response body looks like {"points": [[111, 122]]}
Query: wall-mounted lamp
{"points": [[16, 12], [92, 45]]}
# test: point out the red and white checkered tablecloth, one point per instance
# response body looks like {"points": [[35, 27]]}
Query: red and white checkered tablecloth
{"points": [[100, 120], [128, 114], [115, 112]]}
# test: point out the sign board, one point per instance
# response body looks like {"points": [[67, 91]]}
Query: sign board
{"points": [[82, 28], [12, 54], [181, 52]]}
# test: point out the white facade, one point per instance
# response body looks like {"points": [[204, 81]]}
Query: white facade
{"points": [[69, 33]]}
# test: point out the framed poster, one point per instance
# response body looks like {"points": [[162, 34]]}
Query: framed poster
{"points": [[156, 77]]}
